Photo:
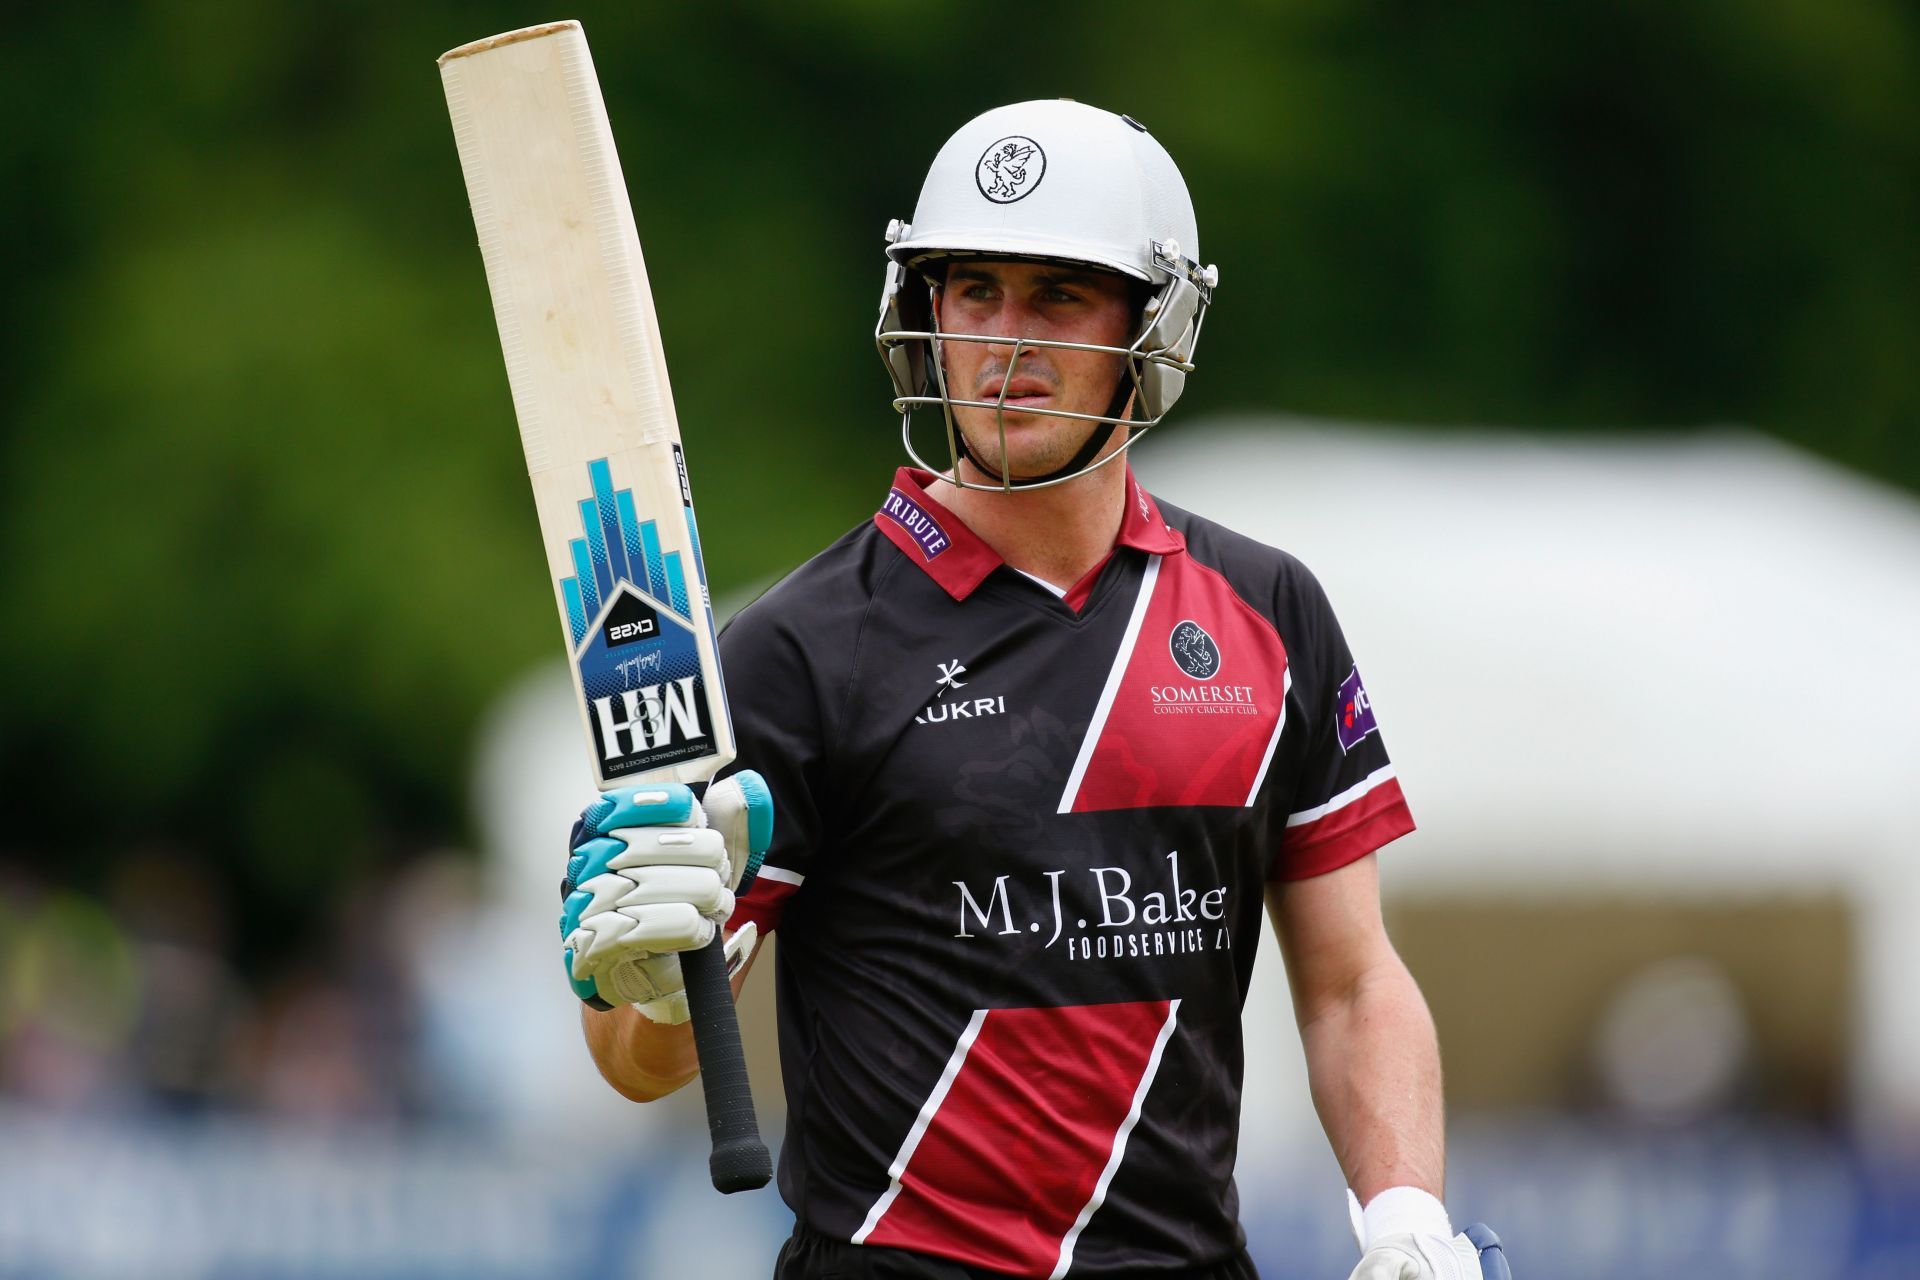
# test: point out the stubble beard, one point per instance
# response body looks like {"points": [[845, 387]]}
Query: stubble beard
{"points": [[1052, 444], [1049, 443]]}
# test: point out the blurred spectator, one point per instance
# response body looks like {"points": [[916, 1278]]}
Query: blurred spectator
{"points": [[309, 1057], [68, 1000], [192, 1005], [137, 1003]]}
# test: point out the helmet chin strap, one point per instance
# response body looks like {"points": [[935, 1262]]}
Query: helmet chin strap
{"points": [[1096, 441]]}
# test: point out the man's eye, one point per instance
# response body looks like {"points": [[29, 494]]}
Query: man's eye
{"points": [[1060, 295]]}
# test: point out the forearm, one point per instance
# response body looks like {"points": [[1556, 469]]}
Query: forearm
{"points": [[1373, 1065]]}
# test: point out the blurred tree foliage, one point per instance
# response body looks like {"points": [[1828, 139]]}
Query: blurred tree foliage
{"points": [[265, 545]]}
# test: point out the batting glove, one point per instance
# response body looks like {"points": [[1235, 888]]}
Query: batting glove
{"points": [[1404, 1235], [653, 872], [1411, 1257]]}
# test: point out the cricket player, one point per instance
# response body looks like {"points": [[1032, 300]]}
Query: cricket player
{"points": [[1025, 756]]}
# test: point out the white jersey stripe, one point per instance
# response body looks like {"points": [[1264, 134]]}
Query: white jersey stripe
{"points": [[1286, 687], [920, 1124], [1099, 1196], [1114, 677], [1383, 774], [781, 874]]}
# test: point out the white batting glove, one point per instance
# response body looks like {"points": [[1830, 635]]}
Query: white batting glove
{"points": [[1404, 1235], [1411, 1257], [653, 872]]}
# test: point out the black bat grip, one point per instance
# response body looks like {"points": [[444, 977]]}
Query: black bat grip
{"points": [[739, 1161]]}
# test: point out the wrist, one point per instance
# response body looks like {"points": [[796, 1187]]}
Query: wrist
{"points": [[1402, 1211]]}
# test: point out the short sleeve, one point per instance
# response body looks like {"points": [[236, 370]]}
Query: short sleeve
{"points": [[1346, 800], [779, 731]]}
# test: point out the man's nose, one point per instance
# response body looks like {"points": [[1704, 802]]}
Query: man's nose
{"points": [[1011, 321]]}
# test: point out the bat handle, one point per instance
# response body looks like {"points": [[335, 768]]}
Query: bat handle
{"points": [[739, 1161]]}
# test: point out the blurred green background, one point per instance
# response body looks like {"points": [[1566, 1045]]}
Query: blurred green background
{"points": [[264, 537]]}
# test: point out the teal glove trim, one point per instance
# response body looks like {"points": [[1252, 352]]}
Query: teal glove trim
{"points": [[759, 810], [591, 859], [759, 798], [618, 809], [576, 903], [585, 988]]}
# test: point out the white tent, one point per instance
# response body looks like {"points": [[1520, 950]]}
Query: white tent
{"points": [[1700, 655]]}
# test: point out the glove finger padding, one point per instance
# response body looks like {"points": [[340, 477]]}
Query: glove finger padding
{"points": [[695, 887], [667, 804], [639, 932], [660, 908], [671, 847]]}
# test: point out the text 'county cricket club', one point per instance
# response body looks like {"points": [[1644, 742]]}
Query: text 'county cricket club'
{"points": [[1195, 653], [632, 629]]}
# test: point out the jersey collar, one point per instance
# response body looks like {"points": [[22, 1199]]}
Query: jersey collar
{"points": [[959, 560]]}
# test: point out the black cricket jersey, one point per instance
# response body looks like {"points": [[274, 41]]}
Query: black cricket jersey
{"points": [[1018, 867]]}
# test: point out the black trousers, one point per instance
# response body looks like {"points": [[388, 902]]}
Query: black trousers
{"points": [[808, 1255]]}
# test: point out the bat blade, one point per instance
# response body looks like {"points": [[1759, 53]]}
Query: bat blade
{"points": [[589, 379]]}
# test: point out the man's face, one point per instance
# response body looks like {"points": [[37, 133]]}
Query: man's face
{"points": [[1059, 302]]}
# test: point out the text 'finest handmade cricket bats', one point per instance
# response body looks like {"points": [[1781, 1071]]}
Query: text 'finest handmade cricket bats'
{"points": [[589, 380]]}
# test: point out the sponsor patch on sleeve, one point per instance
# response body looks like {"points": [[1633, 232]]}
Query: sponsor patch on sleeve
{"points": [[1353, 714]]}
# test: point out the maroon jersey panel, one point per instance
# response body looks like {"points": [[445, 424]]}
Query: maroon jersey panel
{"points": [[1178, 723], [1014, 1150]]}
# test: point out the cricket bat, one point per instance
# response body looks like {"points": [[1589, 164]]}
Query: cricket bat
{"points": [[589, 381]]}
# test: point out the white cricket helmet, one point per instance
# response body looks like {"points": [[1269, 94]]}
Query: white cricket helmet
{"points": [[1058, 181]]}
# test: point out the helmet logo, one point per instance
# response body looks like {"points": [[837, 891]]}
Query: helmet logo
{"points": [[1010, 169]]}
